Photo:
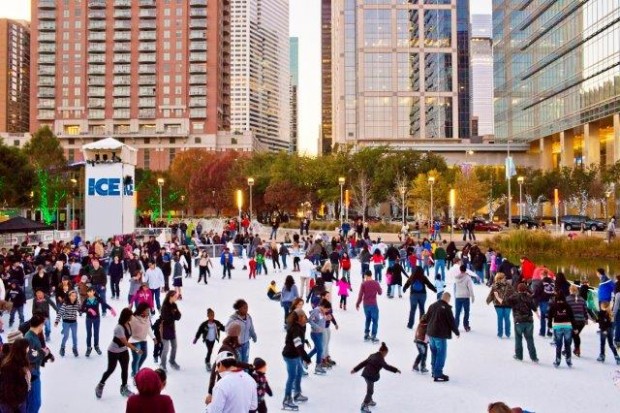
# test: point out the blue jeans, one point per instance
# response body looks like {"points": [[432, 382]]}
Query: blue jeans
{"points": [[416, 300], [33, 401], [138, 359], [244, 352], [286, 305], [69, 328], [562, 336], [100, 290], [462, 304], [294, 373], [48, 328], [317, 340], [20, 312], [155, 293], [274, 233], [284, 266], [544, 311], [503, 321], [439, 352], [365, 267], [92, 326], [372, 316], [378, 272], [440, 267], [617, 329]]}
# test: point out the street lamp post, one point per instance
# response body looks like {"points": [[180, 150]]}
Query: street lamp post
{"points": [[346, 204], [250, 184], [520, 180], [403, 190], [239, 202], [341, 181], [431, 182], [160, 182], [74, 183], [452, 205], [182, 207]]}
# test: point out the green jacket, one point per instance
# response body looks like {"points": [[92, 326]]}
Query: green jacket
{"points": [[441, 254]]}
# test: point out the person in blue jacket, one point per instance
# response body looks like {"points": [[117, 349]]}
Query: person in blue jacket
{"points": [[605, 287], [226, 260]]}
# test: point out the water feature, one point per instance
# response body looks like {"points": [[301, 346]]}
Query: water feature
{"points": [[575, 267]]}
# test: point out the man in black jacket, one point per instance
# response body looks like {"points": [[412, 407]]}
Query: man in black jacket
{"points": [[441, 325]]}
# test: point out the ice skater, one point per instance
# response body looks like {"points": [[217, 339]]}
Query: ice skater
{"points": [[372, 367]]}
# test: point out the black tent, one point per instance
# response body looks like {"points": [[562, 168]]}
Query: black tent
{"points": [[20, 224]]}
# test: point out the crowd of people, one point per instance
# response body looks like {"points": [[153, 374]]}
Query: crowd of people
{"points": [[73, 278]]}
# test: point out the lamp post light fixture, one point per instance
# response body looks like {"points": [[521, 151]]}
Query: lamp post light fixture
{"points": [[431, 182], [452, 205], [520, 180], [74, 182], [403, 191], [239, 202], [160, 183], [182, 207], [250, 184], [341, 181]]}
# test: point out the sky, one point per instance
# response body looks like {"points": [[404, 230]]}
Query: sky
{"points": [[305, 23]]}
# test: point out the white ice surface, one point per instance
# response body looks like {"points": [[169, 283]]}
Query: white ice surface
{"points": [[480, 366]]}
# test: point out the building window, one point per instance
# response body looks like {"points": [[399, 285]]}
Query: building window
{"points": [[378, 71], [437, 28], [377, 27], [438, 117], [407, 28], [378, 117], [72, 130], [408, 118], [438, 72]]}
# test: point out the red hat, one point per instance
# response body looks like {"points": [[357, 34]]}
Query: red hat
{"points": [[148, 382]]}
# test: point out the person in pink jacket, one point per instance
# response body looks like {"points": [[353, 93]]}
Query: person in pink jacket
{"points": [[143, 295], [343, 291]]}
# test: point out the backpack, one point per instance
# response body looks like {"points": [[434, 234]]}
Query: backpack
{"points": [[548, 288], [417, 286]]}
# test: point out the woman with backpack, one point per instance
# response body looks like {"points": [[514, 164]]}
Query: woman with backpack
{"points": [[418, 283]]}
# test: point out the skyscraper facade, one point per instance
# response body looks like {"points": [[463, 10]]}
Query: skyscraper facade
{"points": [[260, 74], [294, 68], [399, 78], [326, 77], [154, 74], [482, 75], [557, 78], [14, 76]]}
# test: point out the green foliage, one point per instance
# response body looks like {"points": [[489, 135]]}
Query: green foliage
{"points": [[17, 177], [46, 156], [544, 244]]}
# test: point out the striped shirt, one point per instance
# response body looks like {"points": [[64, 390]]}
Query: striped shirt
{"points": [[578, 305], [68, 312]]}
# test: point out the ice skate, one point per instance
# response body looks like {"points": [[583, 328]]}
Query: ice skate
{"points": [[98, 350], [125, 392], [300, 398], [288, 404], [99, 390], [88, 351], [320, 371]]}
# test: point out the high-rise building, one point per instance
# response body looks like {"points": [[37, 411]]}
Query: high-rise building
{"points": [[294, 68], [400, 72], [326, 77], [260, 78], [482, 75], [557, 79], [153, 74], [14, 76]]}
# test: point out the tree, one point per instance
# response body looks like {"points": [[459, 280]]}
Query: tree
{"points": [[420, 194], [48, 160], [17, 177], [470, 193]]}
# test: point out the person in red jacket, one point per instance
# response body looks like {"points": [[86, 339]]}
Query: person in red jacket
{"points": [[527, 269], [149, 398]]}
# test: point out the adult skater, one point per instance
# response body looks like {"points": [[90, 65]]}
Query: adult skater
{"points": [[289, 293], [417, 297], [154, 277], [498, 295], [118, 352], [241, 317], [140, 329], [15, 377], [170, 314], [561, 322], [294, 354], [441, 325], [235, 391], [368, 295], [464, 296], [523, 305], [372, 367]]}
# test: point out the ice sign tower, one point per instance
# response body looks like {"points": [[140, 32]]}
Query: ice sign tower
{"points": [[110, 205]]}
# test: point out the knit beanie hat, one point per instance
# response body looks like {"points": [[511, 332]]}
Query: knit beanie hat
{"points": [[14, 335], [148, 382]]}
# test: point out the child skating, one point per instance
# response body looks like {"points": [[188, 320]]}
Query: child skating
{"points": [[606, 326], [421, 343], [262, 385], [343, 291], [372, 367], [210, 333], [68, 312]]}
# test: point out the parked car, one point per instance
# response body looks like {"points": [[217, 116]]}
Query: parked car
{"points": [[527, 222], [481, 225], [574, 222]]}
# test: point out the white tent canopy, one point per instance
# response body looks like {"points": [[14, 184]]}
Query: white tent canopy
{"points": [[127, 154]]}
